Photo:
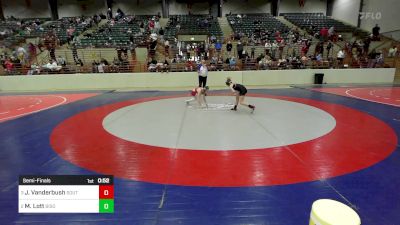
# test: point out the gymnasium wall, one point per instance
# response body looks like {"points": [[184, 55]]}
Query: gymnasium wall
{"points": [[188, 79], [346, 10], [20, 8], [242, 6], [389, 10], [138, 7], [68, 8], [311, 6], [176, 8]]}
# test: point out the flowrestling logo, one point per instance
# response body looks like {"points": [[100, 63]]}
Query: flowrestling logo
{"points": [[370, 15]]}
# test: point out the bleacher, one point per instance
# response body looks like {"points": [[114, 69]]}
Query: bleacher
{"points": [[116, 35], [318, 20], [192, 25], [17, 29], [248, 23]]}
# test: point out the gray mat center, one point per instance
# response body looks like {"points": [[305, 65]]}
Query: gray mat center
{"points": [[170, 123]]}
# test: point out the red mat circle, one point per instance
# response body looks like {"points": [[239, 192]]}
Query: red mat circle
{"points": [[357, 142]]}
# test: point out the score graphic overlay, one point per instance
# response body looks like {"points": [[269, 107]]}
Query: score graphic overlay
{"points": [[66, 194]]}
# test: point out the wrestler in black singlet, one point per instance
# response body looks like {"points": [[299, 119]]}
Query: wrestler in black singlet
{"points": [[240, 88]]}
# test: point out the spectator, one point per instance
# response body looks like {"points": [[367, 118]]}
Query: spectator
{"points": [[379, 59], [32, 51], [392, 52], [319, 58], [262, 64], [331, 32], [100, 67], [61, 61], [166, 47], [253, 49], [161, 33], [52, 66], [218, 47], [35, 69], [166, 65], [213, 63], [141, 27], [324, 34], [9, 66], [220, 64], [274, 46], [239, 48], [152, 65], [268, 47], [21, 54], [329, 47], [109, 14], [229, 47], [189, 65], [340, 56], [375, 33], [232, 63]]}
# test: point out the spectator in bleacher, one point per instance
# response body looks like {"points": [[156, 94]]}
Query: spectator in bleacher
{"points": [[380, 59], [274, 46], [61, 61], [166, 47], [32, 51], [157, 25], [329, 47], [220, 64], [331, 32], [101, 67], [35, 69], [154, 36], [165, 67], [70, 34], [152, 65], [213, 63], [319, 48], [372, 59], [218, 47], [304, 60], [268, 47], [375, 33], [392, 52], [253, 49], [109, 13], [141, 27], [232, 63], [161, 33], [120, 13], [213, 38], [189, 65], [52, 66], [281, 46], [318, 58], [262, 64], [151, 25], [9, 66], [323, 34], [22, 54], [239, 48], [229, 47], [340, 56]]}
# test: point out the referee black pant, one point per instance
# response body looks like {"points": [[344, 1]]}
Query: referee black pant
{"points": [[202, 81]]}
